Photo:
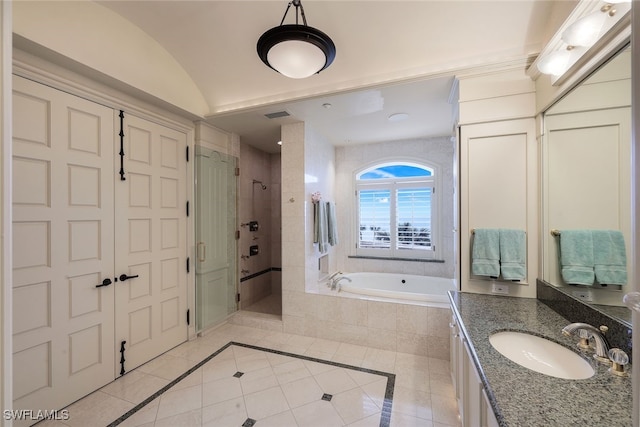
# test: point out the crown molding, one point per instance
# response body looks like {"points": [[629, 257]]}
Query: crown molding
{"points": [[79, 80]]}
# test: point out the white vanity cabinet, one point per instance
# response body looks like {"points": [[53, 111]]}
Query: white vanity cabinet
{"points": [[473, 404]]}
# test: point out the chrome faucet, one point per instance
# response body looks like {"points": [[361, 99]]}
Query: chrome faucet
{"points": [[602, 347], [331, 280], [334, 275], [337, 282]]}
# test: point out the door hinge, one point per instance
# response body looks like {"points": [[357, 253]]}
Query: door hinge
{"points": [[188, 265], [187, 208], [238, 297], [122, 359], [188, 317], [187, 153], [237, 172], [237, 234], [121, 153]]}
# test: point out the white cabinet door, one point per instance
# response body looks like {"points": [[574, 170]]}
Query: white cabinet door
{"points": [[151, 242], [455, 344], [489, 416], [499, 189], [63, 325], [473, 403]]}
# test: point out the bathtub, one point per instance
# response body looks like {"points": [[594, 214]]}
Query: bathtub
{"points": [[403, 287]]}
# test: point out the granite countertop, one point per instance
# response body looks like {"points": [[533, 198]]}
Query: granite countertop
{"points": [[522, 397]]}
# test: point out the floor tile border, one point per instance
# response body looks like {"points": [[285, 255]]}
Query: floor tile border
{"points": [[385, 416]]}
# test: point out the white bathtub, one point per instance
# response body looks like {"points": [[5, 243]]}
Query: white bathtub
{"points": [[400, 287]]}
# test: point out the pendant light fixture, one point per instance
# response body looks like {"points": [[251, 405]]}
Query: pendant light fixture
{"points": [[296, 50]]}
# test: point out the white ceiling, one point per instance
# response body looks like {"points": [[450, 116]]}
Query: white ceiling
{"points": [[380, 45]]}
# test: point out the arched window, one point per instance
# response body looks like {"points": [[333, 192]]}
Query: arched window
{"points": [[396, 210]]}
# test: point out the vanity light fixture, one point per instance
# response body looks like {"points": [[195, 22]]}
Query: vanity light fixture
{"points": [[580, 36], [556, 63], [586, 30], [294, 50]]}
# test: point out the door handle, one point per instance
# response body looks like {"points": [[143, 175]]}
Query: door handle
{"points": [[105, 282], [124, 277]]}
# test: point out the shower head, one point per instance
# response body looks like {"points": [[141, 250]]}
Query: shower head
{"points": [[255, 181]]}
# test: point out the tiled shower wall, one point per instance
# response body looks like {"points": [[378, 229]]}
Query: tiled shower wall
{"points": [[276, 223], [308, 165], [258, 279]]}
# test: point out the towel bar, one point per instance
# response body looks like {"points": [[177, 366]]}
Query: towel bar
{"points": [[555, 232], [473, 231]]}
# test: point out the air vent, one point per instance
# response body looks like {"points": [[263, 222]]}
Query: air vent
{"points": [[277, 115]]}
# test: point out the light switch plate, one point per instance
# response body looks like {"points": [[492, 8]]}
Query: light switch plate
{"points": [[500, 288]]}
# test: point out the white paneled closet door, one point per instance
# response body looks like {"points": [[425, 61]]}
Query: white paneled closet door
{"points": [[151, 242], [63, 321], [98, 260]]}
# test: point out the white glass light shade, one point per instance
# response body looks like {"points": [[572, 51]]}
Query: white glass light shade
{"points": [[586, 30], [555, 63], [296, 59]]}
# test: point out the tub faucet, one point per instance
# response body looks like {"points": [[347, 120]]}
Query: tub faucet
{"points": [[602, 347], [334, 275], [337, 282], [331, 280]]}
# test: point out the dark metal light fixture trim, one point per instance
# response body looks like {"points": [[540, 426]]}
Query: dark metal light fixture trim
{"points": [[299, 33]]}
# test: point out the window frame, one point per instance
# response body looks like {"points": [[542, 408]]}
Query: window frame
{"points": [[393, 184]]}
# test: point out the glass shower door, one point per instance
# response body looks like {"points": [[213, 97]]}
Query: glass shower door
{"points": [[216, 251]]}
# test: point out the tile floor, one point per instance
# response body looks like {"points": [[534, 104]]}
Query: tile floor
{"points": [[271, 304], [274, 389]]}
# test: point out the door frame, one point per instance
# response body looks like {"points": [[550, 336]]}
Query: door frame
{"points": [[6, 154]]}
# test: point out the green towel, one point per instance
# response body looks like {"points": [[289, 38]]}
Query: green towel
{"points": [[609, 257], [513, 254], [576, 257], [320, 232], [485, 253]]}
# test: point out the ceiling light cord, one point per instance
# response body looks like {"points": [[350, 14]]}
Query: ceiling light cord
{"points": [[299, 9]]}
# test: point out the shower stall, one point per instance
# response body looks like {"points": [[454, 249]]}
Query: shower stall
{"points": [[260, 232], [216, 247]]}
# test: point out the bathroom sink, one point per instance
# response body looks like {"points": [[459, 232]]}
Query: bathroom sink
{"points": [[541, 355]]}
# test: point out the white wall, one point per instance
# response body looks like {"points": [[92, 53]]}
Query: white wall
{"points": [[102, 40], [349, 159], [319, 175], [216, 139]]}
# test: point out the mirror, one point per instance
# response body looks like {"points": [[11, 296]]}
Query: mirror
{"points": [[586, 176]]}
